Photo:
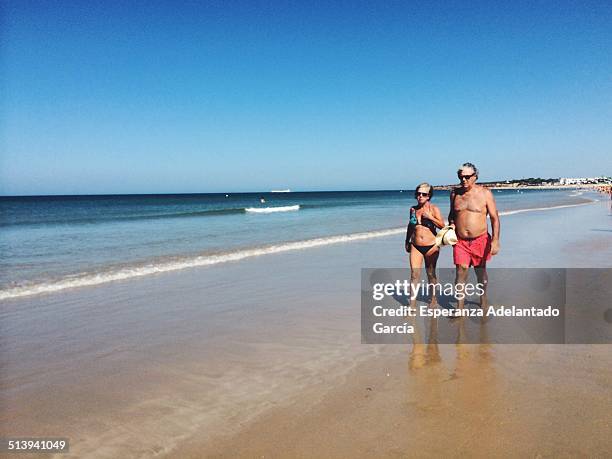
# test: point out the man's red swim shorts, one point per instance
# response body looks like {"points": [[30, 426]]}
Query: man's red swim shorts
{"points": [[472, 252]]}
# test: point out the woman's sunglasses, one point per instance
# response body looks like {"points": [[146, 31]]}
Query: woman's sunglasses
{"points": [[422, 194]]}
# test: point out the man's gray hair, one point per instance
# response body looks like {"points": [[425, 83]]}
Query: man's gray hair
{"points": [[470, 165]]}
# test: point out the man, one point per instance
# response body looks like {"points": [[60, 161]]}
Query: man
{"points": [[470, 204]]}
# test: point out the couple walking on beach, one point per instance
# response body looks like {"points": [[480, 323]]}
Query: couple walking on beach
{"points": [[470, 204]]}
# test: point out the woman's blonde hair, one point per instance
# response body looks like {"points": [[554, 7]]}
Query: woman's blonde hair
{"points": [[431, 190]]}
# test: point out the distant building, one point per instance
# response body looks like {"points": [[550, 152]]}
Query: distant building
{"points": [[585, 180]]}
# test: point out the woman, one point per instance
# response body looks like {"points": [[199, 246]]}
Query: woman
{"points": [[425, 219]]}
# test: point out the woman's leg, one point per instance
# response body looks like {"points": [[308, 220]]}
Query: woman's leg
{"points": [[416, 261], [417, 354], [431, 260]]}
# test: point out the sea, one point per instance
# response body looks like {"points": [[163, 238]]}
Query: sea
{"points": [[54, 243]]}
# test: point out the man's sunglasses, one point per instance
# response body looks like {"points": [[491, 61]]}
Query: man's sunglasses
{"points": [[422, 194], [465, 177]]}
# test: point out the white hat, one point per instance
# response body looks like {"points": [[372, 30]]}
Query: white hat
{"points": [[446, 236]]}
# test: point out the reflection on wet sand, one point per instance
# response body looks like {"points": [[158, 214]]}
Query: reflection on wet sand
{"points": [[470, 368], [454, 388], [426, 351]]}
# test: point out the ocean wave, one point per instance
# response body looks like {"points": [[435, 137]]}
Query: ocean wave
{"points": [[169, 215], [90, 279], [268, 210]]}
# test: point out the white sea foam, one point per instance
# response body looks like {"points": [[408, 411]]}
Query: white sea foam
{"points": [[268, 210], [89, 279], [201, 260], [534, 209]]}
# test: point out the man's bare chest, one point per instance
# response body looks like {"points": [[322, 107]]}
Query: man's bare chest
{"points": [[476, 204]]}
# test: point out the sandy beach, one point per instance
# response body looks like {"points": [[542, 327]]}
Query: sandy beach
{"points": [[262, 358]]}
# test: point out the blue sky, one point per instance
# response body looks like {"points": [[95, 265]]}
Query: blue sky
{"points": [[147, 97]]}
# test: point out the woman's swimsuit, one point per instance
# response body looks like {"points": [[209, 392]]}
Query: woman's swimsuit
{"points": [[423, 248], [427, 223]]}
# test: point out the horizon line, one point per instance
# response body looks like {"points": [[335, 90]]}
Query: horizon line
{"points": [[257, 191]]}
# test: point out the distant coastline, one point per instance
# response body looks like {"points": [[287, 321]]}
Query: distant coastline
{"points": [[500, 186], [602, 184]]}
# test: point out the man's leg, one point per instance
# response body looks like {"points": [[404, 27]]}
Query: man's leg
{"points": [[483, 278], [461, 275], [462, 260]]}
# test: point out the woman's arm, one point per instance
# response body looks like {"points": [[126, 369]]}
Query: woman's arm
{"points": [[439, 220], [433, 213], [409, 231]]}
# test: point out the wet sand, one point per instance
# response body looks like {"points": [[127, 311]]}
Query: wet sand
{"points": [[454, 401], [263, 358]]}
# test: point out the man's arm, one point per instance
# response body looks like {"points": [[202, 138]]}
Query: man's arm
{"points": [[495, 226], [451, 212]]}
